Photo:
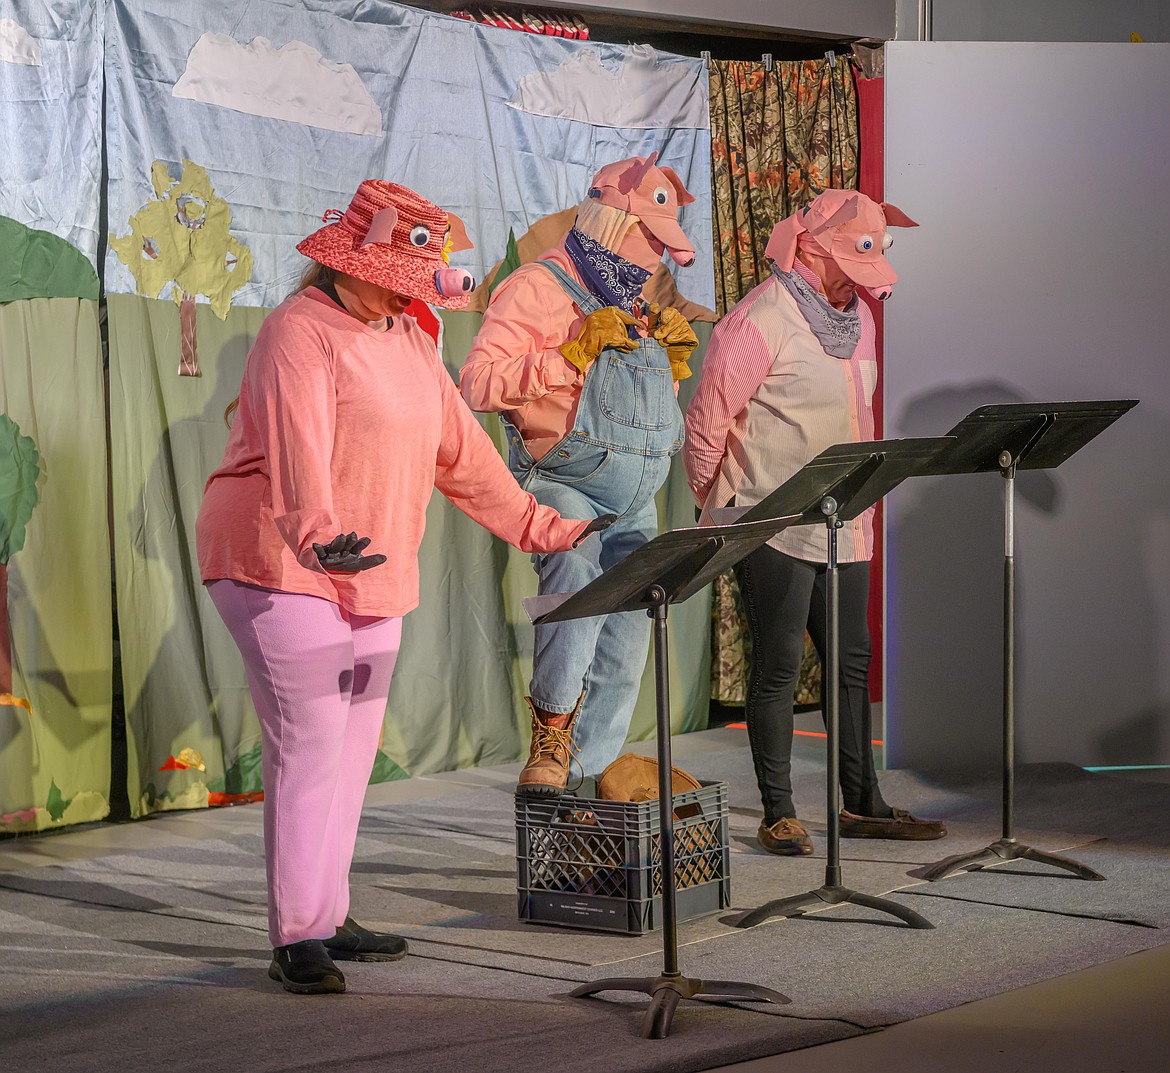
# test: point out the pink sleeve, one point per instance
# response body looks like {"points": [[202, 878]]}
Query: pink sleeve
{"points": [[735, 364], [291, 388], [514, 358], [471, 474]]}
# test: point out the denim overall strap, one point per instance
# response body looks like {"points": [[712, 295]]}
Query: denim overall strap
{"points": [[585, 300], [627, 400]]}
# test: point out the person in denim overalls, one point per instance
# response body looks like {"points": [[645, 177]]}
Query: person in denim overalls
{"points": [[584, 374]]}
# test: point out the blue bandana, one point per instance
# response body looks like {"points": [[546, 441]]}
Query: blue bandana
{"points": [[609, 278]]}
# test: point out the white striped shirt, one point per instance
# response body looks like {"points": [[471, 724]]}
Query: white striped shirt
{"points": [[769, 400]]}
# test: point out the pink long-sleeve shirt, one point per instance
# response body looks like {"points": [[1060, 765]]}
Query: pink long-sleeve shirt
{"points": [[344, 428]]}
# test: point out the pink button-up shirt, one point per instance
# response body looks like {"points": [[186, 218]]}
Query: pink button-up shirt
{"points": [[769, 400]]}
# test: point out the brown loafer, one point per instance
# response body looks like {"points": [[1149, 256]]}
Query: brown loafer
{"points": [[786, 837], [901, 826]]}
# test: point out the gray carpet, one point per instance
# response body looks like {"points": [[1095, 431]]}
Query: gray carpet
{"points": [[140, 959]]}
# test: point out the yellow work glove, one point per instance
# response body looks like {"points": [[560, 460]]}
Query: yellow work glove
{"points": [[676, 335], [605, 327]]}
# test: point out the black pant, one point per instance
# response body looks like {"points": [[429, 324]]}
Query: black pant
{"points": [[783, 596]]}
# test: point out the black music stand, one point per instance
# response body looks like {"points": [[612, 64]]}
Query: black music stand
{"points": [[835, 487], [668, 569], [1008, 437]]}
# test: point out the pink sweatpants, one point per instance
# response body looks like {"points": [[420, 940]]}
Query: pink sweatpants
{"points": [[319, 678]]}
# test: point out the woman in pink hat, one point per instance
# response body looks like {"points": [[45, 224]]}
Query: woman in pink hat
{"points": [[346, 421]]}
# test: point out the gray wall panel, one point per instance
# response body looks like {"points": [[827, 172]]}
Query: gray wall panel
{"points": [[1038, 20], [1039, 174]]}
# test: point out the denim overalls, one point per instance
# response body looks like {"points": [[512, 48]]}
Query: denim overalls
{"points": [[613, 460]]}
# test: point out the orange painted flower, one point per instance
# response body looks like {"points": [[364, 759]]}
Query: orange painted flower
{"points": [[216, 798], [188, 758]]}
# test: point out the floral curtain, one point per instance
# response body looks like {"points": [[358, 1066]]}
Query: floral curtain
{"points": [[778, 138]]}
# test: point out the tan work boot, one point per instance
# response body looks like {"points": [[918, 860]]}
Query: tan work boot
{"points": [[547, 770]]}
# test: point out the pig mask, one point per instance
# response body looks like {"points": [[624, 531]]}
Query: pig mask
{"points": [[651, 196], [848, 227]]}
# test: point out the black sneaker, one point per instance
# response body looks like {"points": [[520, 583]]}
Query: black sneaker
{"points": [[305, 968], [355, 943]]}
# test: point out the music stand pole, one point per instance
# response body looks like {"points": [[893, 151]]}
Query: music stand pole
{"points": [[832, 892], [666, 570], [1008, 437], [668, 988], [1006, 848]]}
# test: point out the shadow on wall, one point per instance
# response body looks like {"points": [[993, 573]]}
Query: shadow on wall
{"points": [[946, 624], [173, 707], [946, 621]]}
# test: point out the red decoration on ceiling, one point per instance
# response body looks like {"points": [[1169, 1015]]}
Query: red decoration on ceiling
{"points": [[550, 24]]}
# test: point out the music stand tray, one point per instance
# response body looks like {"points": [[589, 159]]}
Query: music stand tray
{"points": [[1007, 437], [835, 487], [668, 569]]}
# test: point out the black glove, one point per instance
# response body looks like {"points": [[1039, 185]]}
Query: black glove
{"points": [[596, 526], [343, 554]]}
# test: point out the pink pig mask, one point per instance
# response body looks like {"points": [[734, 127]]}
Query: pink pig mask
{"points": [[654, 195], [847, 227]]}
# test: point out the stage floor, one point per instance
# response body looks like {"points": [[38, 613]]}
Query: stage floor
{"points": [[143, 944]]}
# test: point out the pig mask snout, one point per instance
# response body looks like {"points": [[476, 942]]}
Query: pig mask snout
{"points": [[452, 282]]}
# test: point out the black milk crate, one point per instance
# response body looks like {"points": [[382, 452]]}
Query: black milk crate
{"points": [[587, 863]]}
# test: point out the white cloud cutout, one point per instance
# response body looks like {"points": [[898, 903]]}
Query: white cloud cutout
{"points": [[294, 83], [646, 93], [17, 46]]}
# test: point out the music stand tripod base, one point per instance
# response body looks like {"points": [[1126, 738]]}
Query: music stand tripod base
{"points": [[668, 989], [831, 894], [1006, 849]]}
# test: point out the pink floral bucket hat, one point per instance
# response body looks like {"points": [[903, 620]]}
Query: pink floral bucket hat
{"points": [[395, 238]]}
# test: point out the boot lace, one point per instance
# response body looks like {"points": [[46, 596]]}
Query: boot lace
{"points": [[547, 740]]}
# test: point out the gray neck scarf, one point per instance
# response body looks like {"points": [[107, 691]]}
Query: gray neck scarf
{"points": [[837, 330]]}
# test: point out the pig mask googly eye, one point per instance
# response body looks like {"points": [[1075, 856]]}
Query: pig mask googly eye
{"points": [[420, 235], [661, 195], [865, 244], [887, 241]]}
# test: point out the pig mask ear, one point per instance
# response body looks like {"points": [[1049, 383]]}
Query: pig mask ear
{"points": [[458, 234], [685, 197], [632, 177], [781, 246], [895, 217], [382, 227]]}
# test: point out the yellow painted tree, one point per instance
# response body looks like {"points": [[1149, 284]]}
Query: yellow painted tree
{"points": [[183, 237]]}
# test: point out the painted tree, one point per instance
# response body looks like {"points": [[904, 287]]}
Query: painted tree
{"points": [[183, 237], [38, 264], [20, 465]]}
